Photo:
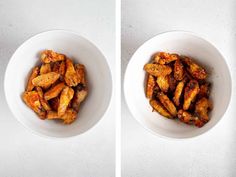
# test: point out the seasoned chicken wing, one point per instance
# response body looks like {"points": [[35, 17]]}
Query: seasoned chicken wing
{"points": [[80, 70], [71, 76], [202, 107], [166, 58], [188, 118], [33, 75], [54, 91], [48, 56], [160, 109], [43, 102], [163, 83], [79, 97], [204, 90], [178, 70], [167, 103], [69, 116], [151, 82], [45, 80], [45, 68], [178, 92], [194, 69], [190, 93], [157, 69], [65, 98], [32, 100]]}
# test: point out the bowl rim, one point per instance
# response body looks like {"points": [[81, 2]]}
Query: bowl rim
{"points": [[125, 83], [34, 132]]}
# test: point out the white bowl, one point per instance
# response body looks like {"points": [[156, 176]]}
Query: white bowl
{"points": [[184, 43], [80, 50]]}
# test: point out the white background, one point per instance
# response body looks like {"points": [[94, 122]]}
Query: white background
{"points": [[212, 154], [25, 155]]}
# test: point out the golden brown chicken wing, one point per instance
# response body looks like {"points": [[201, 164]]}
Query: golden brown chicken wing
{"points": [[79, 97], [167, 103], [71, 76], [33, 75], [32, 100], [45, 68], [204, 90], [80, 70], [48, 56], [190, 119], [54, 91], [178, 70], [178, 92], [190, 93], [65, 98], [157, 69], [163, 83], [202, 107], [43, 102], [67, 118], [151, 82], [45, 80], [160, 109], [166, 58], [194, 69]]}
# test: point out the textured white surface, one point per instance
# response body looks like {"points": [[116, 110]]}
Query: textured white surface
{"points": [[212, 154], [25, 155]]}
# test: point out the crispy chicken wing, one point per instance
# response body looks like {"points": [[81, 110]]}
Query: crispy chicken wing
{"points": [[178, 70], [160, 109], [190, 93], [65, 98], [151, 82], [166, 58], [202, 107], [45, 68], [194, 69], [71, 76], [43, 102], [31, 99], [204, 90], [167, 103], [178, 92], [157, 69], [188, 118], [163, 83], [33, 75], [79, 97], [48, 56], [45, 80], [80, 70], [54, 91], [69, 116]]}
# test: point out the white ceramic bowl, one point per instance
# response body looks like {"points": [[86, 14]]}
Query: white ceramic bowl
{"points": [[184, 43], [80, 50]]}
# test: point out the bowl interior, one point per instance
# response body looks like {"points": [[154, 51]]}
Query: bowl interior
{"points": [[183, 43], [79, 50]]}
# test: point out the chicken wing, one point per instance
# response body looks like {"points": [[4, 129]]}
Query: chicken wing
{"points": [[188, 118], [172, 82], [160, 109], [43, 102], [48, 56], [178, 92], [202, 107], [65, 98], [190, 93], [71, 77], [178, 70], [31, 99], [163, 83], [54, 91], [45, 80], [33, 75], [157, 69], [45, 68], [204, 90], [80, 70], [79, 97], [194, 69], [151, 82], [69, 116], [166, 58], [62, 68], [167, 103]]}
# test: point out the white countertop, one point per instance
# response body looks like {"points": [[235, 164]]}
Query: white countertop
{"points": [[23, 154], [212, 154]]}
